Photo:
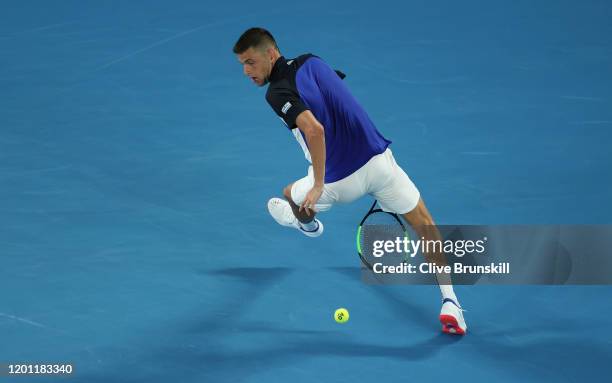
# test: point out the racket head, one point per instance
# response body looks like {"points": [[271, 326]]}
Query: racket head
{"points": [[379, 225]]}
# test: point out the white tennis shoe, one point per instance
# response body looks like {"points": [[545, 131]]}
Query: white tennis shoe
{"points": [[281, 211], [451, 317]]}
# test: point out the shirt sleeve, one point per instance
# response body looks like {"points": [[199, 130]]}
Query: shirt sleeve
{"points": [[287, 105]]}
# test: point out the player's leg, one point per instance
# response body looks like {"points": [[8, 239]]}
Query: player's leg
{"points": [[423, 224], [451, 314], [287, 212], [301, 216], [395, 192]]}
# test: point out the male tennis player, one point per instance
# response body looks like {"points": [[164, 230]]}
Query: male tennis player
{"points": [[349, 157]]}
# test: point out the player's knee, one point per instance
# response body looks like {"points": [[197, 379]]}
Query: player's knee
{"points": [[420, 219], [425, 219], [419, 216]]}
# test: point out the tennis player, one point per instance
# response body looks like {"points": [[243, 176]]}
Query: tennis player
{"points": [[349, 157]]}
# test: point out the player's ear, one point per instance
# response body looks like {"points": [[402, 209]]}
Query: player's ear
{"points": [[270, 52]]}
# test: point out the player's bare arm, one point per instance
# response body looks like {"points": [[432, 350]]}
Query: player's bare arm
{"points": [[314, 133]]}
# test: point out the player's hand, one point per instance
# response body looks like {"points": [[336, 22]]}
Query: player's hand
{"points": [[311, 199]]}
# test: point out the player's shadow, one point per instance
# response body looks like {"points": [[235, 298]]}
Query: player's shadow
{"points": [[253, 275], [221, 354], [257, 281], [219, 359]]}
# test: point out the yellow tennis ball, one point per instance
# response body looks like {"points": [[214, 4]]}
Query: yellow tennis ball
{"points": [[341, 315]]}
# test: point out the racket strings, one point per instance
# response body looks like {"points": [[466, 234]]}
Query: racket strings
{"points": [[378, 229]]}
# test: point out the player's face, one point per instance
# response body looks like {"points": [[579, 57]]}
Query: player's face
{"points": [[256, 65]]}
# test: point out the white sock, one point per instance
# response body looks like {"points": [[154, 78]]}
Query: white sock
{"points": [[446, 287], [310, 226]]}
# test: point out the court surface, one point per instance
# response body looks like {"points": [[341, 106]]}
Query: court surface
{"points": [[136, 161]]}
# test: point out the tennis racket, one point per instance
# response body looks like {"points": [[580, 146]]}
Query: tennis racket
{"points": [[377, 225]]}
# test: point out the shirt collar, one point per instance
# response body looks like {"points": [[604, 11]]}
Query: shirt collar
{"points": [[277, 69]]}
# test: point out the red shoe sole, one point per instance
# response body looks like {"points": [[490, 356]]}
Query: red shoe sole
{"points": [[450, 325]]}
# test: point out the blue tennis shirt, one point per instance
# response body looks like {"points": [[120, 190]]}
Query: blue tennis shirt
{"points": [[308, 83]]}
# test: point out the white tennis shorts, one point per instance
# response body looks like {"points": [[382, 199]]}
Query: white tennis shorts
{"points": [[381, 177]]}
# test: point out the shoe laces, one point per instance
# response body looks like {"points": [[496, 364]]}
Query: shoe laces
{"points": [[454, 303]]}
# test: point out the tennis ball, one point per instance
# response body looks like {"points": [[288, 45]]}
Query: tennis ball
{"points": [[341, 315]]}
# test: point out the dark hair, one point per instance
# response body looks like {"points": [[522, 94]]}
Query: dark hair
{"points": [[256, 38]]}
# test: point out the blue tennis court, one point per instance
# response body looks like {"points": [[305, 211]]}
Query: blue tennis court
{"points": [[136, 161]]}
